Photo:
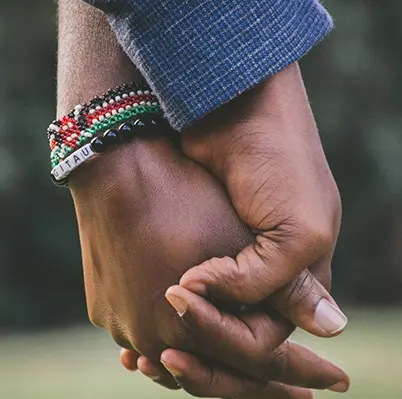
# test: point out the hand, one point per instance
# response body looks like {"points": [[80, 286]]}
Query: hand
{"points": [[145, 215], [265, 148]]}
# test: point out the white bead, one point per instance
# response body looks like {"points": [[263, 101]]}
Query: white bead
{"points": [[132, 94], [146, 92], [114, 112], [128, 106], [69, 138], [111, 101], [98, 107], [52, 137], [108, 115], [62, 155], [125, 95], [149, 103], [140, 92], [74, 136], [78, 107], [105, 104], [70, 125], [76, 117], [76, 113], [117, 98], [121, 110], [152, 93], [135, 105], [154, 103], [142, 103], [63, 146], [95, 121], [101, 118], [91, 111], [65, 127], [87, 134], [82, 132]]}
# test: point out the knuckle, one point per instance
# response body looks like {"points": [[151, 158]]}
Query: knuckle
{"points": [[96, 317], [299, 290], [277, 364], [316, 237]]}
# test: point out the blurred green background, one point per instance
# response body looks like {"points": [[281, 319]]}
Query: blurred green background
{"points": [[47, 348]]}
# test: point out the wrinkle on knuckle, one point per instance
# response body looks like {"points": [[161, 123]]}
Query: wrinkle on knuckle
{"points": [[277, 364], [299, 290], [228, 272]]}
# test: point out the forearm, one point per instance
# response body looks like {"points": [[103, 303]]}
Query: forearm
{"points": [[90, 60]]}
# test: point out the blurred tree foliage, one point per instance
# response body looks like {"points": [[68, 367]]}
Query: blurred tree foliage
{"points": [[355, 84]]}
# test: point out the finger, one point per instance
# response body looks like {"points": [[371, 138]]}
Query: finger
{"points": [[307, 304], [247, 343], [128, 359], [157, 373], [199, 379]]}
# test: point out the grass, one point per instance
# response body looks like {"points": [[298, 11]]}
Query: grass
{"points": [[82, 363]]}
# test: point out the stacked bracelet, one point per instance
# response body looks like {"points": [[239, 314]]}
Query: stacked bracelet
{"points": [[81, 134]]}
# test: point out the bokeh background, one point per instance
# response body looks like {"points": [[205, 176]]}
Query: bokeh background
{"points": [[47, 347]]}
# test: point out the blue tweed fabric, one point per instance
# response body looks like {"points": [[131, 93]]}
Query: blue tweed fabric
{"points": [[199, 54]]}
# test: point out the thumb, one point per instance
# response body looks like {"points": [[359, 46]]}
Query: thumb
{"points": [[308, 305]]}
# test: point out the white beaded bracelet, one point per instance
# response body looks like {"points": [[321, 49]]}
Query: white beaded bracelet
{"points": [[72, 162]]}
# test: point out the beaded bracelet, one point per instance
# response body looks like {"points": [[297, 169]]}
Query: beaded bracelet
{"points": [[77, 137]]}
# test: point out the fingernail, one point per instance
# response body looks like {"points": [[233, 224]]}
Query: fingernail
{"points": [[172, 370], [329, 317], [341, 386], [177, 303]]}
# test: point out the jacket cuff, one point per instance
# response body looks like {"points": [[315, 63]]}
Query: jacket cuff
{"points": [[198, 55]]}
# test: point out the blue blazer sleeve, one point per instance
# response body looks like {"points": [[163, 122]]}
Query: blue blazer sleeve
{"points": [[199, 54]]}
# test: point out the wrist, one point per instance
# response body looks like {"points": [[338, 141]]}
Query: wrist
{"points": [[277, 104]]}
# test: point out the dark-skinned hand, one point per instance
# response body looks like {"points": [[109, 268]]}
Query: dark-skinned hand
{"points": [[265, 148], [145, 215]]}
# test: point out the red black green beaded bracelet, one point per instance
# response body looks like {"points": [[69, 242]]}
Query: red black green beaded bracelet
{"points": [[77, 136]]}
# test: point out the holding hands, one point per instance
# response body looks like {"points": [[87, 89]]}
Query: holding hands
{"points": [[201, 260]]}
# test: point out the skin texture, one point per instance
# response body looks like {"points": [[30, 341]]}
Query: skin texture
{"points": [[146, 214]]}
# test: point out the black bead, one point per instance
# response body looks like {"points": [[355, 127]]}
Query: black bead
{"points": [[98, 144], [126, 132], [111, 137], [140, 123]]}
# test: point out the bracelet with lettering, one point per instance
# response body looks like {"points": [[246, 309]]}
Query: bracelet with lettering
{"points": [[91, 128]]}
